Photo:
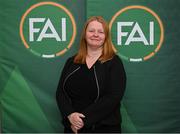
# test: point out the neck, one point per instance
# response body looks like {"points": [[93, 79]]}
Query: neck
{"points": [[94, 52]]}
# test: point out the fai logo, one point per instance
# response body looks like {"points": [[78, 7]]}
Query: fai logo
{"points": [[47, 29], [137, 33]]}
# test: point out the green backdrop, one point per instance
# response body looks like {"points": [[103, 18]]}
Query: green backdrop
{"points": [[28, 82]]}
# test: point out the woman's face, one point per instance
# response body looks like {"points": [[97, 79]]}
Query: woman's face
{"points": [[95, 35]]}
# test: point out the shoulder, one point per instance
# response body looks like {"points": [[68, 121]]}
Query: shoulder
{"points": [[69, 62], [117, 60], [70, 59], [114, 60], [115, 64]]}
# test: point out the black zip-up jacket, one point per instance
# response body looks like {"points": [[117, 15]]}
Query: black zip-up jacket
{"points": [[111, 83]]}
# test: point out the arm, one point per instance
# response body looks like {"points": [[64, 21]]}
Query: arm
{"points": [[105, 105], [64, 103]]}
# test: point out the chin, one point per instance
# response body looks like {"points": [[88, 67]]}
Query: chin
{"points": [[95, 46]]}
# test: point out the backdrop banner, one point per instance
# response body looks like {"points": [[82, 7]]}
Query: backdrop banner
{"points": [[37, 37]]}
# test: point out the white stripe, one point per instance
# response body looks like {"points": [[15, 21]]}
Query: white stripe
{"points": [[135, 60], [48, 56]]}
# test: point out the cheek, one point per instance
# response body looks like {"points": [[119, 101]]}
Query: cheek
{"points": [[87, 35], [103, 38]]}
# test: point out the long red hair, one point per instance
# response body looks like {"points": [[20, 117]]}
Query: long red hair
{"points": [[107, 51]]}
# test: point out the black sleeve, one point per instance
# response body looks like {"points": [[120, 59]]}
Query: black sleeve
{"points": [[63, 101], [107, 103]]}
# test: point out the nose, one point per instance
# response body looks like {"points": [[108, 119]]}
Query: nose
{"points": [[95, 33]]}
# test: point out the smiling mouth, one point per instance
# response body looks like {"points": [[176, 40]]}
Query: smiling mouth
{"points": [[95, 40]]}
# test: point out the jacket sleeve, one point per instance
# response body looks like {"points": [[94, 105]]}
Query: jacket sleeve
{"points": [[63, 101], [107, 103]]}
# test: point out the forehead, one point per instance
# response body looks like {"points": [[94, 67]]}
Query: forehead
{"points": [[95, 24]]}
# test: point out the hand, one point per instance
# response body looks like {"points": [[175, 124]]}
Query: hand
{"points": [[74, 129], [76, 121]]}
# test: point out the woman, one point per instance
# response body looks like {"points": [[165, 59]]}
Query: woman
{"points": [[92, 83]]}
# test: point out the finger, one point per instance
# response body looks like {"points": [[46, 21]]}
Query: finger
{"points": [[78, 122], [79, 126], [73, 128], [81, 115], [76, 127]]}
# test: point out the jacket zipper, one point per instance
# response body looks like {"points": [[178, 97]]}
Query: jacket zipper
{"points": [[66, 80], [97, 84]]}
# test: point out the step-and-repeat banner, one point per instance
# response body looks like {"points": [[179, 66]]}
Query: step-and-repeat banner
{"points": [[37, 37]]}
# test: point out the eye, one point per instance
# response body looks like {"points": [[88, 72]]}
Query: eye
{"points": [[90, 30], [101, 32]]}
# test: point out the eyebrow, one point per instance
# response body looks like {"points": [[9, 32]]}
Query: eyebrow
{"points": [[94, 29]]}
